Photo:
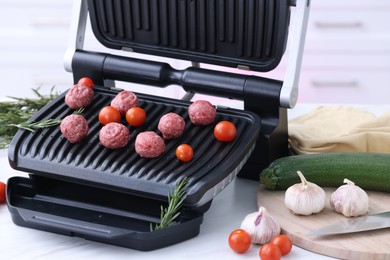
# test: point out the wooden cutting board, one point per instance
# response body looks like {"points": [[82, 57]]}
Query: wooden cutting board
{"points": [[364, 245]]}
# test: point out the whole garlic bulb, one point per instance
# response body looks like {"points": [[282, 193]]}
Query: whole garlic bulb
{"points": [[305, 198], [350, 200], [261, 226]]}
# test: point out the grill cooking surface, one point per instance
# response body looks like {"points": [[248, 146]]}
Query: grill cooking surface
{"points": [[47, 153]]}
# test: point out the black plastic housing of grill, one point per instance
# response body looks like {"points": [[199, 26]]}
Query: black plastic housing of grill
{"points": [[82, 189]]}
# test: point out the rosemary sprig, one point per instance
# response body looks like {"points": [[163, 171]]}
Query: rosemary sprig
{"points": [[32, 126], [19, 110], [79, 111], [169, 214]]}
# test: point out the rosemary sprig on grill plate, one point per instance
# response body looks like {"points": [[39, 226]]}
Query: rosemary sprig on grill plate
{"points": [[19, 110], [32, 126], [175, 200]]}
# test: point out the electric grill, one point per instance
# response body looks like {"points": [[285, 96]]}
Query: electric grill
{"points": [[113, 196]]}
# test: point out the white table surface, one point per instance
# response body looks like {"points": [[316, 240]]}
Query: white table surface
{"points": [[227, 211]]}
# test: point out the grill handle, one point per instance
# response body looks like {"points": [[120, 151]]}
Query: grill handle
{"points": [[102, 67]]}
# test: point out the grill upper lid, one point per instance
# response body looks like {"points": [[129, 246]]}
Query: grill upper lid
{"points": [[233, 33]]}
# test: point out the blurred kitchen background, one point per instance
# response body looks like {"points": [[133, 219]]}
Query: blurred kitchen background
{"points": [[346, 59]]}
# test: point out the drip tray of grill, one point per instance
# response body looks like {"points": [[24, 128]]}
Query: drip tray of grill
{"points": [[113, 196], [96, 214]]}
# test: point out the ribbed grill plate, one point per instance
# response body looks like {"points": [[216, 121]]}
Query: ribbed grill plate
{"points": [[46, 152], [225, 32]]}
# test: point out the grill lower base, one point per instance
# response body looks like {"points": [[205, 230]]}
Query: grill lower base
{"points": [[96, 214]]}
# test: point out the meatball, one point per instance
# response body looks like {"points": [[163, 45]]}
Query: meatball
{"points": [[171, 125], [79, 96], [124, 100], [202, 112], [74, 128], [114, 135], [149, 144]]}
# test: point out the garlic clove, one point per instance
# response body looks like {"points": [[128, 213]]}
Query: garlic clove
{"points": [[305, 198], [350, 200], [261, 226]]}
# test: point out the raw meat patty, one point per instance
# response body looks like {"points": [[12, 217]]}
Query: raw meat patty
{"points": [[149, 144], [124, 100], [171, 125], [114, 135], [202, 112], [79, 96], [74, 128]]}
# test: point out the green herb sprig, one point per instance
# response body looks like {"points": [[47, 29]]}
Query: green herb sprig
{"points": [[169, 214], [32, 126], [17, 111]]}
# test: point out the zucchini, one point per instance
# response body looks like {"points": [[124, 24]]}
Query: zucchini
{"points": [[370, 171]]}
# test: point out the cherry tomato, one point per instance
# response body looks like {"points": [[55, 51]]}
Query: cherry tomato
{"points": [[225, 131], [270, 252], [109, 114], [2, 192], [135, 116], [184, 152], [283, 242], [239, 241], [88, 82]]}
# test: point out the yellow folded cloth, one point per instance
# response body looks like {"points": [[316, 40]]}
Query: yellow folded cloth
{"points": [[339, 129]]}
